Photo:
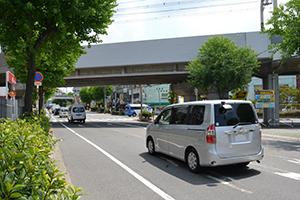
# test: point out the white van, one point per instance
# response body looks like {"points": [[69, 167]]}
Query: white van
{"points": [[207, 133], [76, 113]]}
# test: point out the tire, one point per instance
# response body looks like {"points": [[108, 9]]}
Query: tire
{"points": [[83, 121], [150, 146], [192, 161]]}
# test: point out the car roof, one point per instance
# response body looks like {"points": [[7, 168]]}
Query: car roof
{"points": [[210, 102], [77, 105]]}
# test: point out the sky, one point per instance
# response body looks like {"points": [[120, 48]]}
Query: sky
{"points": [[136, 20]]}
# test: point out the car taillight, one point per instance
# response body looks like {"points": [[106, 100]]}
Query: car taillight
{"points": [[211, 134]]}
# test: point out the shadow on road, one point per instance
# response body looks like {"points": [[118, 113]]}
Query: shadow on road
{"points": [[282, 145], [100, 125], [178, 169]]}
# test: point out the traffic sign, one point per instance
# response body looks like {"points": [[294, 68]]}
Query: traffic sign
{"points": [[10, 77], [265, 99], [12, 93], [38, 77], [37, 83]]}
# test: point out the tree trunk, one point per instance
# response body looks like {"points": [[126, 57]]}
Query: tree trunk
{"points": [[41, 98], [29, 84], [212, 93]]}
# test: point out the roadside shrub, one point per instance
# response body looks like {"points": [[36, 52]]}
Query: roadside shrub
{"points": [[145, 115], [26, 170]]}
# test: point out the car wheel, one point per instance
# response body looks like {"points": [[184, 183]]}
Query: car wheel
{"points": [[83, 121], [151, 146], [134, 114], [192, 160]]}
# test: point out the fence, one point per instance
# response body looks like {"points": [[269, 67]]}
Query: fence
{"points": [[10, 108]]}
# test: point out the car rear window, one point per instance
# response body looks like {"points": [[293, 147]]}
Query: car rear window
{"points": [[78, 109], [242, 113]]}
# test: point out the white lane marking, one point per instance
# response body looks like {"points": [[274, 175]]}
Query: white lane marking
{"points": [[268, 168], [229, 184], [280, 172], [295, 161], [291, 175], [150, 185]]}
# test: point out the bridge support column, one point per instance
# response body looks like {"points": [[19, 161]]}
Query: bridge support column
{"points": [[271, 115], [185, 90]]}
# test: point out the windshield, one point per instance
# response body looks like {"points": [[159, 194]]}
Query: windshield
{"points": [[242, 113]]}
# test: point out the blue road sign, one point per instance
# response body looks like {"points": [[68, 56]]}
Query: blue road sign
{"points": [[38, 77]]}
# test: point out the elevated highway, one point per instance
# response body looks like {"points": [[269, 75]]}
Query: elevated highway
{"points": [[164, 60]]}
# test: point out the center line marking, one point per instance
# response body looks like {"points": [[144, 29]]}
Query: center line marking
{"points": [[291, 175], [295, 161], [150, 185]]}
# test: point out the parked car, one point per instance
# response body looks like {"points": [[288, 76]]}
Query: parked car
{"points": [[63, 112], [76, 113], [207, 133], [133, 110], [55, 110]]}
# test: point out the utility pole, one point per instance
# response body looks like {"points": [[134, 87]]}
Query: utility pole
{"points": [[272, 80], [264, 3]]}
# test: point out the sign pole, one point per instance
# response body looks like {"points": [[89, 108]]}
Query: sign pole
{"points": [[37, 101]]}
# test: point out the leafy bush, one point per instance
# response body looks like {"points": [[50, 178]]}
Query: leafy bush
{"points": [[26, 170], [145, 115]]}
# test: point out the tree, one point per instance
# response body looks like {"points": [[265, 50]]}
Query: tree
{"points": [[289, 95], [85, 95], [29, 29], [285, 22], [221, 66], [88, 94]]}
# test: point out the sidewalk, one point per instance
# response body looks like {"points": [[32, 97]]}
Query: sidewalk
{"points": [[282, 133]]}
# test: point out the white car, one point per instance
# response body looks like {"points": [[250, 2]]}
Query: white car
{"points": [[207, 133], [76, 113], [63, 112]]}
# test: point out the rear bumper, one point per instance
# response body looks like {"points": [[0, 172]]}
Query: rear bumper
{"points": [[79, 117], [215, 160]]}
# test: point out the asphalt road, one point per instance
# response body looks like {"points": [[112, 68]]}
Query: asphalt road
{"points": [[107, 157]]}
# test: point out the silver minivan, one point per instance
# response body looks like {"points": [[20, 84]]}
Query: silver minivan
{"points": [[207, 133], [76, 113]]}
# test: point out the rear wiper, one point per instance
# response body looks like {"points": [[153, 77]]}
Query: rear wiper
{"points": [[241, 123]]}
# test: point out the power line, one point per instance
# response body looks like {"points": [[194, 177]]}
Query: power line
{"points": [[161, 3], [182, 15], [171, 3], [183, 9]]}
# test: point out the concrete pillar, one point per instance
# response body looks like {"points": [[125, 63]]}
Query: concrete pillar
{"points": [[275, 80], [105, 101], [270, 115]]}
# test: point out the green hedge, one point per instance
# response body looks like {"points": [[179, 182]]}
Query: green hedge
{"points": [[26, 169]]}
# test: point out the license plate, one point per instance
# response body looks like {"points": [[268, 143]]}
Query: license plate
{"points": [[78, 114], [240, 138]]}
